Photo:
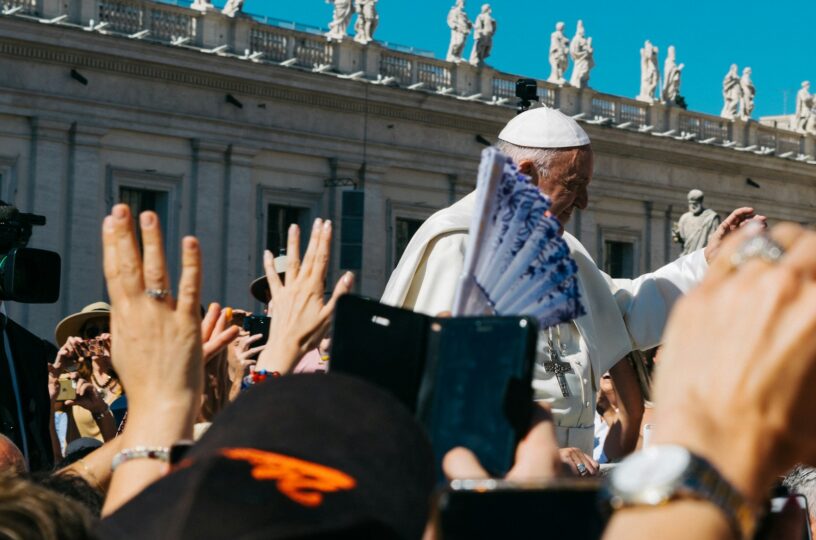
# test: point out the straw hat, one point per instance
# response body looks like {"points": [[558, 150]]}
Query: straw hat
{"points": [[260, 288], [71, 325]]}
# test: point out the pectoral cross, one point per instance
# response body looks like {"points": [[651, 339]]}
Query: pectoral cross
{"points": [[557, 366]]}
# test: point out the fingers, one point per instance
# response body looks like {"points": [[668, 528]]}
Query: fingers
{"points": [[220, 341], [320, 265], [255, 351], [537, 454], [722, 266], [462, 463], [272, 278], [292, 253], [128, 259], [344, 286], [800, 248], [314, 239], [189, 293], [738, 216], [209, 321], [154, 264]]}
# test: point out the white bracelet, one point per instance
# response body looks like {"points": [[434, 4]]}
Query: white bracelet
{"points": [[160, 453]]}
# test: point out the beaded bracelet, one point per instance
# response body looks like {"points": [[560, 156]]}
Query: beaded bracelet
{"points": [[258, 376], [160, 453]]}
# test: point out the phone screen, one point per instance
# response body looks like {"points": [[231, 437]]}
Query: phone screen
{"points": [[477, 391]]}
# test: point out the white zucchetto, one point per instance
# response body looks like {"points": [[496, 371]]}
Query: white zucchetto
{"points": [[543, 127]]}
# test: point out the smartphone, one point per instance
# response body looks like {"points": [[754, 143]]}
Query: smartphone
{"points": [[380, 344], [477, 388], [468, 509], [778, 503], [257, 324], [67, 390]]}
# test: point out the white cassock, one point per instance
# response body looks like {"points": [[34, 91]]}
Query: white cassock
{"points": [[622, 314]]}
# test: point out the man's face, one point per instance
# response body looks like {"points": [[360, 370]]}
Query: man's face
{"points": [[566, 181], [695, 205]]}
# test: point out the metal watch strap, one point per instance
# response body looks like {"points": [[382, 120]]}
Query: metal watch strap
{"points": [[704, 482]]}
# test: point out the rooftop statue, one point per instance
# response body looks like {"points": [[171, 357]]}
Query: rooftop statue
{"points": [[649, 72], [367, 21], [233, 8], [582, 60], [559, 55], [460, 27], [747, 94], [483, 31], [671, 76], [732, 93], [696, 225], [340, 19], [804, 108]]}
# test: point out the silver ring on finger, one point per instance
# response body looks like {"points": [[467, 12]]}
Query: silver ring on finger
{"points": [[157, 294], [582, 470], [760, 246]]}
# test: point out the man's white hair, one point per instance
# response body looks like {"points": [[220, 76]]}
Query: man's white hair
{"points": [[542, 158], [802, 480]]}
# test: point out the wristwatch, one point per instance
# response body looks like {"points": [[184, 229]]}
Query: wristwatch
{"points": [[663, 473]]}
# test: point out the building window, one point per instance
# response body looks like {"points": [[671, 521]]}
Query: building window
{"points": [[403, 232], [141, 200], [278, 220], [619, 259]]}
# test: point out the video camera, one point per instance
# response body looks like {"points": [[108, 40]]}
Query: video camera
{"points": [[27, 275]]}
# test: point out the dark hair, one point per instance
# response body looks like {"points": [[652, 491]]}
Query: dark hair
{"points": [[28, 510], [73, 487]]}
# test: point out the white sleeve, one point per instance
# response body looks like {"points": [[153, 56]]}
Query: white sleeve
{"points": [[434, 284], [645, 302]]}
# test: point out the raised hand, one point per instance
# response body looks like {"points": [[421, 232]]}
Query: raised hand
{"points": [[738, 218], [300, 316], [216, 331]]}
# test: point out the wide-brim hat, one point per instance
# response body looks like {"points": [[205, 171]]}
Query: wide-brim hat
{"points": [[260, 288], [339, 459], [72, 324]]}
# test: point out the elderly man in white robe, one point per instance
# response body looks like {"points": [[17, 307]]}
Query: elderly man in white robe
{"points": [[622, 314]]}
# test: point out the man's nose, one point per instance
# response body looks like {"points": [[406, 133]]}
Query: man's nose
{"points": [[582, 199]]}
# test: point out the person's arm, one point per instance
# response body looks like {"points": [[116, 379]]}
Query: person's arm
{"points": [[624, 433]]}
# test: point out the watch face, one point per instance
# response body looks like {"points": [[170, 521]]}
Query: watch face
{"points": [[650, 476]]}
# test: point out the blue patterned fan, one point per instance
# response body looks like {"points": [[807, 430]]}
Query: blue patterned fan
{"points": [[516, 262]]}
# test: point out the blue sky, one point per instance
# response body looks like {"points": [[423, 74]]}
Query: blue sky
{"points": [[775, 40]]}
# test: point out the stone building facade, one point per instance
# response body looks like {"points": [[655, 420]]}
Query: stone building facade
{"points": [[231, 128]]}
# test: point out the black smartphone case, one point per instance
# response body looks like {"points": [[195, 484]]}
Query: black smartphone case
{"points": [[467, 379]]}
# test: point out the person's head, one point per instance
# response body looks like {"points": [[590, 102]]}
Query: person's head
{"points": [[606, 395], [11, 459], [259, 288], [746, 72], [559, 26], [579, 28], [671, 52], [485, 8], [695, 201], [92, 321], [554, 151], [31, 511], [73, 487], [805, 84], [802, 480], [733, 69], [460, 4]]}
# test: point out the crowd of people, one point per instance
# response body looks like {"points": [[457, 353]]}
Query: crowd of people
{"points": [[169, 420]]}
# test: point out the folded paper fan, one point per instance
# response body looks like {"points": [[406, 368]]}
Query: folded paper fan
{"points": [[516, 263]]}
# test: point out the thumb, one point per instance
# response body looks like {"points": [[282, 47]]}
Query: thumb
{"points": [[462, 463]]}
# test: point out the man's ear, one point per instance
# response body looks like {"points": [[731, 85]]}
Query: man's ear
{"points": [[527, 167]]}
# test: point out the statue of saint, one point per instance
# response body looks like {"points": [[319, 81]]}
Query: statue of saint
{"points": [[340, 19], [649, 72], [748, 93], [732, 93], [460, 26], [233, 8], [202, 5], [696, 225], [671, 76], [804, 104], [484, 28], [582, 60], [559, 55], [367, 21]]}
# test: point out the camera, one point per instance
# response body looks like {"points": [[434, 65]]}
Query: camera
{"points": [[527, 92], [27, 275]]}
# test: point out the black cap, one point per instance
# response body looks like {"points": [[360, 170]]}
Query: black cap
{"points": [[301, 456]]}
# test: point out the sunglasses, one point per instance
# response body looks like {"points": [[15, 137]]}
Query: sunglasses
{"points": [[92, 331]]}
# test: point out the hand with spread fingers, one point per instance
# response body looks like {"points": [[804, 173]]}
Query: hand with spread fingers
{"points": [[156, 348], [536, 455], [216, 331], [737, 219], [300, 316]]}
